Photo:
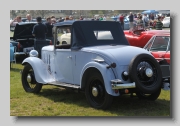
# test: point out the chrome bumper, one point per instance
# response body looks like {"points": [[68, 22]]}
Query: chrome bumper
{"points": [[19, 53], [117, 84]]}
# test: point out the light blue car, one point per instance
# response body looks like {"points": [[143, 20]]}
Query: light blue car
{"points": [[99, 61], [12, 59]]}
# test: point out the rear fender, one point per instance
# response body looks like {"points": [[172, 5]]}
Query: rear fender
{"points": [[41, 72]]}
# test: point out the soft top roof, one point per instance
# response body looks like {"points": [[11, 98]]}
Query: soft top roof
{"points": [[82, 33]]}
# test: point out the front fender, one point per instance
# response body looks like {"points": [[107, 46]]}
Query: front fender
{"points": [[42, 75], [107, 75]]}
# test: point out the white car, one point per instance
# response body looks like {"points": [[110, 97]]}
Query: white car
{"points": [[64, 39], [166, 22], [103, 66]]}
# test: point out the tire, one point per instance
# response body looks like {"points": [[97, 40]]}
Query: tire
{"points": [[32, 86], [64, 42], [137, 73], [151, 97], [101, 99]]}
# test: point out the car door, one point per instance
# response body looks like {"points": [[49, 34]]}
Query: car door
{"points": [[63, 63], [159, 48]]}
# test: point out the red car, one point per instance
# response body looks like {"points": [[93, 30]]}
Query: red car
{"points": [[139, 36], [159, 46]]}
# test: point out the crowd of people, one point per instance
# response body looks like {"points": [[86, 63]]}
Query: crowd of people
{"points": [[143, 20]]}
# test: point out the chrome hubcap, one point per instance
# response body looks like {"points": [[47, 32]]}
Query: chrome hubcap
{"points": [[29, 78], [149, 72], [94, 92]]}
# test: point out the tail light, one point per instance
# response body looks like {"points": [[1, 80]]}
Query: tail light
{"points": [[18, 46], [50, 43]]}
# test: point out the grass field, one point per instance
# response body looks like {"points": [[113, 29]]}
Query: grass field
{"points": [[55, 101]]}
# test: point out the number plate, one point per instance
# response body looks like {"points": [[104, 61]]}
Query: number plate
{"points": [[27, 50]]}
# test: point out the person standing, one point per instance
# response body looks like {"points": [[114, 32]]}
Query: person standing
{"points": [[131, 19], [104, 18], [139, 23], [60, 19], [49, 26], [29, 19], [39, 30], [121, 21], [146, 21], [159, 24], [15, 21], [81, 18]]}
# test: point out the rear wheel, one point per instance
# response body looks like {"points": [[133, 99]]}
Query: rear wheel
{"points": [[95, 92], [28, 80]]}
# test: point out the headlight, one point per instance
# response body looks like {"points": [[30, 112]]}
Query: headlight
{"points": [[33, 53]]}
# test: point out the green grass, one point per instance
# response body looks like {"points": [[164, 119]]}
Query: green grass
{"points": [[11, 34], [55, 101]]}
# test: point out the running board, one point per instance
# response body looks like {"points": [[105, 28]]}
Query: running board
{"points": [[64, 84]]}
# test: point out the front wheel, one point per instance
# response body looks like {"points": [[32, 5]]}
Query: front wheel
{"points": [[151, 97], [96, 93], [28, 80]]}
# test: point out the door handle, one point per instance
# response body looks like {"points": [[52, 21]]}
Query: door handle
{"points": [[70, 57]]}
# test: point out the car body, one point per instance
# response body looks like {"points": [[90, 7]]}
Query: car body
{"points": [[159, 46], [166, 22], [103, 67], [139, 37], [23, 38]]}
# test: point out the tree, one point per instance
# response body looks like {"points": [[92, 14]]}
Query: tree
{"points": [[13, 14]]}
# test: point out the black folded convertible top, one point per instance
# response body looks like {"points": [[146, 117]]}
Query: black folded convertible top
{"points": [[82, 33]]}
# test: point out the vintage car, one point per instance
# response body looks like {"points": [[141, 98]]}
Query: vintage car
{"points": [[101, 67], [159, 46], [23, 38], [139, 36]]}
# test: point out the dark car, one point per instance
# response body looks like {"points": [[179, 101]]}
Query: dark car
{"points": [[23, 39]]}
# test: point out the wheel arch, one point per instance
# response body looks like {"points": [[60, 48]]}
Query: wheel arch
{"points": [[107, 75], [40, 70]]}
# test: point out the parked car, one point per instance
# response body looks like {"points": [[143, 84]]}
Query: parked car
{"points": [[166, 22], [23, 38], [139, 36], [64, 36], [159, 46], [101, 67], [12, 59]]}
